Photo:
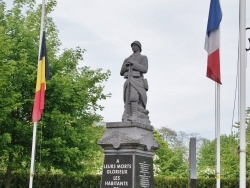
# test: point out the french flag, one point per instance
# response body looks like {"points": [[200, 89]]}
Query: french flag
{"points": [[212, 43]]}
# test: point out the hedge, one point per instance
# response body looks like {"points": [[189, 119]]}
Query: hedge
{"points": [[165, 182], [93, 181], [53, 181]]}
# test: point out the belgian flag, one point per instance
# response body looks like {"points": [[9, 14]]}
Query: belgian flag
{"points": [[42, 76]]}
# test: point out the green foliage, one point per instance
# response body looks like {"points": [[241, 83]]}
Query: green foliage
{"points": [[55, 181], [93, 181], [229, 158], [169, 162], [66, 136], [93, 151], [166, 182]]}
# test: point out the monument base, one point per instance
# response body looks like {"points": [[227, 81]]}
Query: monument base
{"points": [[130, 168], [129, 148]]}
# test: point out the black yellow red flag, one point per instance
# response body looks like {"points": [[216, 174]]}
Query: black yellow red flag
{"points": [[42, 76]]}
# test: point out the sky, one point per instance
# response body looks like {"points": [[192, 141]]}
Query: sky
{"points": [[172, 34]]}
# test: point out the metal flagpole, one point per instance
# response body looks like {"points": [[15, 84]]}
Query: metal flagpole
{"points": [[32, 171], [242, 92], [217, 131], [33, 155]]}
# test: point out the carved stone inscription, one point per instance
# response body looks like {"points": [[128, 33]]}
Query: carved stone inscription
{"points": [[144, 172], [117, 171]]}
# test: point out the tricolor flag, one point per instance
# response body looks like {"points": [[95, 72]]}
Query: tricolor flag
{"points": [[212, 43], [42, 76]]}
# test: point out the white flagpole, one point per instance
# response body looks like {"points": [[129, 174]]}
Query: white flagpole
{"points": [[217, 128], [242, 87], [33, 155], [217, 131], [32, 171]]}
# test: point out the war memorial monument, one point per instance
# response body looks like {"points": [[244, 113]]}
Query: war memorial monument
{"points": [[129, 145]]}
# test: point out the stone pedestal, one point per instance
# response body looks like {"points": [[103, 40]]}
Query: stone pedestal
{"points": [[129, 148]]}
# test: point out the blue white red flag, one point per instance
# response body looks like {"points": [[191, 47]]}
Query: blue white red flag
{"points": [[212, 43]]}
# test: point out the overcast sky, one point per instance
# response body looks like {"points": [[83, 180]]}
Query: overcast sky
{"points": [[172, 34]]}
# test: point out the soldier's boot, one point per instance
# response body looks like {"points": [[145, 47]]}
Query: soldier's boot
{"points": [[126, 113], [134, 109]]}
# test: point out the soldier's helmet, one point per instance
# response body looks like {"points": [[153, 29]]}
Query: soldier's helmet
{"points": [[137, 43]]}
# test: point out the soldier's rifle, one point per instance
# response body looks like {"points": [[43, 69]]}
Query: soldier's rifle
{"points": [[128, 89]]}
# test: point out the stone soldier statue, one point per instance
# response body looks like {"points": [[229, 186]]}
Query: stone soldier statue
{"points": [[135, 87]]}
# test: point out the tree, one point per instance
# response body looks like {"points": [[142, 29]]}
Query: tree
{"points": [[178, 143], [168, 135], [169, 162], [229, 158], [72, 95], [94, 151]]}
